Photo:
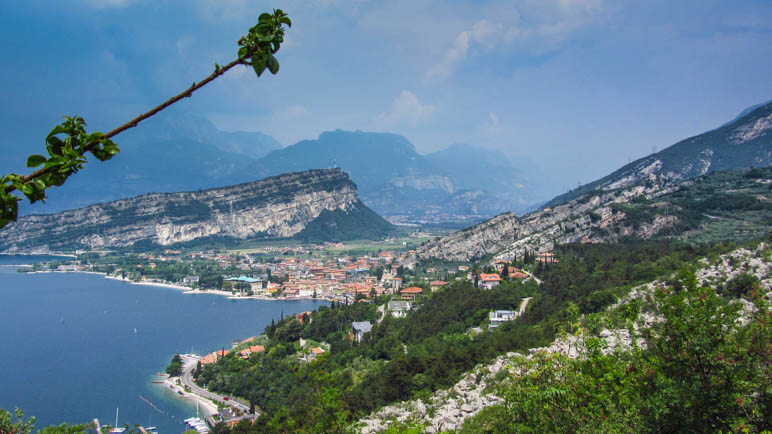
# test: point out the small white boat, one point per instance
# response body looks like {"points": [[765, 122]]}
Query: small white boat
{"points": [[116, 429]]}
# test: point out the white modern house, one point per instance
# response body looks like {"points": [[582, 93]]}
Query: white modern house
{"points": [[499, 317], [399, 308]]}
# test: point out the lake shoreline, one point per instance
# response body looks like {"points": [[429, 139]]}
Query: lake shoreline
{"points": [[169, 285], [96, 325]]}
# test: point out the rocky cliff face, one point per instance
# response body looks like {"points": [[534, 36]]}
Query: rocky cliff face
{"points": [[279, 206], [721, 206], [509, 236]]}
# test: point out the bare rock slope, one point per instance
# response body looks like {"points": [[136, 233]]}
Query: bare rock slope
{"points": [[279, 206]]}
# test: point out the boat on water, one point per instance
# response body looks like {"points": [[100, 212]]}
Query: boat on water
{"points": [[150, 429], [116, 429], [196, 422]]}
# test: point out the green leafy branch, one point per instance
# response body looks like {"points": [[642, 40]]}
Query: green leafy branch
{"points": [[68, 143]]}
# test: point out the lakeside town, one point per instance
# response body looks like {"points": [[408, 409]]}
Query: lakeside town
{"points": [[321, 271]]}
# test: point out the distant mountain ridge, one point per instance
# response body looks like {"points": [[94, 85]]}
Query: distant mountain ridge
{"points": [[396, 181], [276, 207]]}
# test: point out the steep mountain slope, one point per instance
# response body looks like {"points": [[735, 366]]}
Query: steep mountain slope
{"points": [[171, 153], [721, 206], [593, 213], [396, 181], [280, 206], [744, 142]]}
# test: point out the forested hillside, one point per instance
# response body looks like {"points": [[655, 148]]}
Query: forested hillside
{"points": [[446, 335]]}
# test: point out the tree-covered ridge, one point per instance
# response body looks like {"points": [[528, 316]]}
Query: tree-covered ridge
{"points": [[718, 207], [356, 223], [431, 348]]}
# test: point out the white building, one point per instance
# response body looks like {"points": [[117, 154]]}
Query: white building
{"points": [[499, 317]]}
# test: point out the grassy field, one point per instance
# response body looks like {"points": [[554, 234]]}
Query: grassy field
{"points": [[354, 247]]}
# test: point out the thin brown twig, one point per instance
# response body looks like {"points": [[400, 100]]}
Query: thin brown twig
{"points": [[134, 122]]}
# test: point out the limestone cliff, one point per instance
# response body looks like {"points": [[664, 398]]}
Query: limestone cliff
{"points": [[279, 206], [721, 206]]}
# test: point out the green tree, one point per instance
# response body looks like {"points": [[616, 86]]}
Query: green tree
{"points": [[714, 373], [220, 428], [175, 367], [8, 426], [68, 143], [742, 284], [20, 426]]}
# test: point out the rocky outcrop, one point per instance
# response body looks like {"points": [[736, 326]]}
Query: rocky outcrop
{"points": [[586, 219], [279, 206]]}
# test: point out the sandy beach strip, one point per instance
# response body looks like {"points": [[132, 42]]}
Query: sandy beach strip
{"points": [[207, 407]]}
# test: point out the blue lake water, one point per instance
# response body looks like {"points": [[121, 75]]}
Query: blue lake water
{"points": [[70, 352]]}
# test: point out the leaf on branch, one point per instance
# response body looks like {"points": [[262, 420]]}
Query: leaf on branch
{"points": [[263, 40], [273, 64], [35, 160]]}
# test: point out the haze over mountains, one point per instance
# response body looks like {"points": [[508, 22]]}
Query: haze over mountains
{"points": [[165, 154], [182, 153], [396, 181], [671, 190]]}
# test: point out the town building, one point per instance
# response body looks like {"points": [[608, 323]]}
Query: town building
{"points": [[398, 308], [489, 281], [360, 328], [499, 317], [410, 293]]}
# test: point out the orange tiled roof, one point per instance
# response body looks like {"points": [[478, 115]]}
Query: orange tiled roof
{"points": [[490, 277], [246, 340], [213, 357], [412, 290]]}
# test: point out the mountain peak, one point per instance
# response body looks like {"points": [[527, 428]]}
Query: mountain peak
{"points": [[365, 138], [747, 111]]}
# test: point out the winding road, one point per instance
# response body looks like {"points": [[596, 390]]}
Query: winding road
{"points": [[189, 365]]}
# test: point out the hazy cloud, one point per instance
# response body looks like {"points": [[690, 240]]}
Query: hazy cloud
{"points": [[406, 108], [493, 119], [483, 33], [296, 110], [544, 27]]}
